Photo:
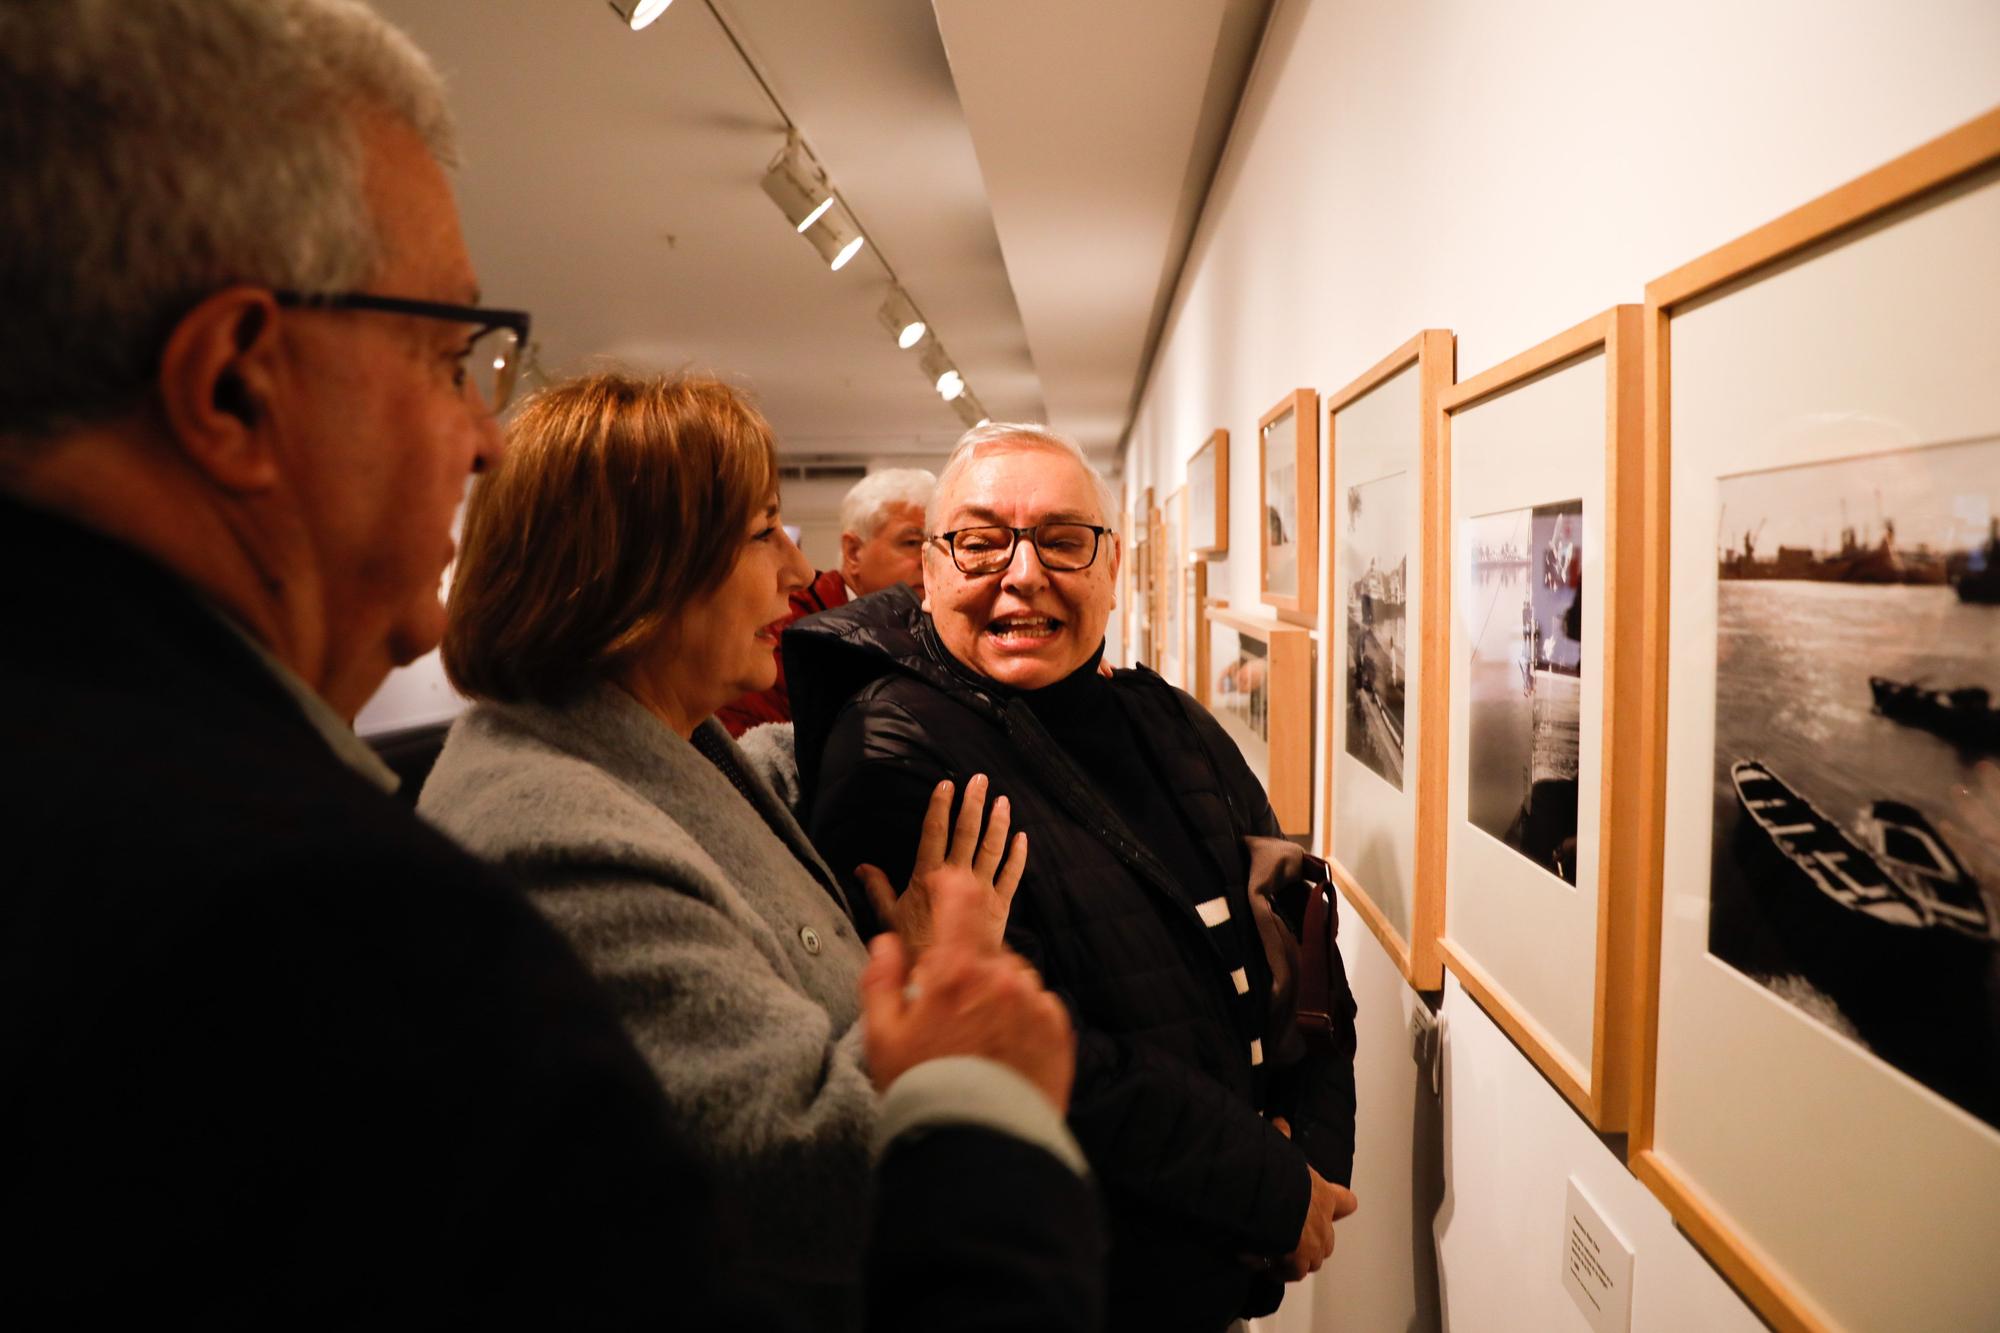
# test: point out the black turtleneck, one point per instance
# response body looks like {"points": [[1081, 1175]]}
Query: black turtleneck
{"points": [[1087, 716]]}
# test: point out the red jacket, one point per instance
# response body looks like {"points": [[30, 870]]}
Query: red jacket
{"points": [[825, 592]]}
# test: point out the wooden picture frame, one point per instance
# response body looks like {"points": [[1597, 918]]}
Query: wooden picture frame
{"points": [[1172, 575], [1194, 628], [1155, 574], [1804, 1154], [1385, 835], [1127, 589], [1288, 507], [1548, 633], [1208, 479], [1142, 580], [1268, 713]]}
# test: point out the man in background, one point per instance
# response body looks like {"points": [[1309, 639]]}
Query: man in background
{"points": [[274, 1053], [881, 545]]}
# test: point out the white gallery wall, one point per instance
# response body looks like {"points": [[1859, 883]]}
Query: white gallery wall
{"points": [[1504, 171]]}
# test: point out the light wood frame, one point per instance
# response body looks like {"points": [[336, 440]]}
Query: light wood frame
{"points": [[1127, 588], [1195, 646], [1213, 456], [1632, 633], [1155, 570], [1826, 220], [1301, 608], [1289, 699], [1141, 556], [1434, 353], [1172, 565]]}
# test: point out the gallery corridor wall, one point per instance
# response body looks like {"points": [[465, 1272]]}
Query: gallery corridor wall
{"points": [[1503, 171]]}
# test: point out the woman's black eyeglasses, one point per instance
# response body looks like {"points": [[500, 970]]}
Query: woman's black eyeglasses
{"points": [[1064, 547]]}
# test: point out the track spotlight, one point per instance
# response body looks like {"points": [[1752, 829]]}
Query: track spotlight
{"points": [[943, 375], [798, 186], [901, 319], [638, 13], [835, 237]]}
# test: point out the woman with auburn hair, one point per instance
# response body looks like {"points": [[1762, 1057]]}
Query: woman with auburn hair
{"points": [[621, 571]]}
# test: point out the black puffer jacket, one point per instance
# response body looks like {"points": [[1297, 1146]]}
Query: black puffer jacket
{"points": [[1168, 1098]]}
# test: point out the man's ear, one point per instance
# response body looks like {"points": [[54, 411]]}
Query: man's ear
{"points": [[850, 553], [217, 384]]}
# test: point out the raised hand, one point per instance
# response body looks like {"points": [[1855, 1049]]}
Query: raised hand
{"points": [[949, 854], [963, 998]]}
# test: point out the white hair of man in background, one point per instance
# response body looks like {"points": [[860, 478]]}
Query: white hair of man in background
{"points": [[882, 530]]}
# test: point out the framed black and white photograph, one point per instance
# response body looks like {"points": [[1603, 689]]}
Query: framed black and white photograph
{"points": [[1208, 497], [1824, 421], [1288, 506], [1386, 564], [1172, 573], [1548, 635]]}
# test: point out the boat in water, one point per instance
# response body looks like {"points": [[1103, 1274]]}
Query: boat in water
{"points": [[1819, 850], [1924, 866], [1965, 716]]}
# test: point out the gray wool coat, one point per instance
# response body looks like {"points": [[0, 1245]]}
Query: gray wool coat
{"points": [[721, 937]]}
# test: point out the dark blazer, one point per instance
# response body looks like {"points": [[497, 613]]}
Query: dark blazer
{"points": [[273, 1052], [1169, 1094]]}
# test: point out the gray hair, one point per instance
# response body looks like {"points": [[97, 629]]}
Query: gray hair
{"points": [[154, 153], [1001, 435], [862, 512]]}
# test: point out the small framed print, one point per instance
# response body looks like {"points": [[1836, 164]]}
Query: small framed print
{"points": [[1195, 603], [1127, 590], [1208, 497], [1142, 580], [1547, 632], [1172, 574], [1819, 1086], [1386, 559], [1260, 690], [1288, 507]]}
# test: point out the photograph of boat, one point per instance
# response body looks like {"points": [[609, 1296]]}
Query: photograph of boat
{"points": [[1855, 871], [1375, 550], [1523, 604]]}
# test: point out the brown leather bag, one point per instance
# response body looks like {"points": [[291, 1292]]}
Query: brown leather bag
{"points": [[1290, 899]]}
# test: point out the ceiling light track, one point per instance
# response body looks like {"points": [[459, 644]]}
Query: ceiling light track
{"points": [[800, 187]]}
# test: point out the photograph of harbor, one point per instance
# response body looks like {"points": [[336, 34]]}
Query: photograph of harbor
{"points": [[1281, 506], [1241, 698], [1375, 550], [1856, 856], [1523, 602]]}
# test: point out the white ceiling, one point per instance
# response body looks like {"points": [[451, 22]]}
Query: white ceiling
{"points": [[1034, 193]]}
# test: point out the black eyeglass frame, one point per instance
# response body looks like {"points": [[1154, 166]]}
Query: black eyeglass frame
{"points": [[1014, 535], [484, 319]]}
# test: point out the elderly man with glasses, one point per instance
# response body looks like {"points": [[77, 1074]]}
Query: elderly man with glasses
{"points": [[1135, 902], [275, 1054]]}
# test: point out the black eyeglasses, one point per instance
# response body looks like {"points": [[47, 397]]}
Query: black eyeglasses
{"points": [[491, 361], [1064, 547]]}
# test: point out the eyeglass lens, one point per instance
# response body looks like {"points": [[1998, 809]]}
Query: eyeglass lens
{"points": [[1061, 546], [493, 364]]}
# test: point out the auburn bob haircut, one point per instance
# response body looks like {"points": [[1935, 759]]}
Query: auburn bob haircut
{"points": [[618, 501]]}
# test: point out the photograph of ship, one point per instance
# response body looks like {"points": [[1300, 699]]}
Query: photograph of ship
{"points": [[1241, 696], [1281, 508], [1524, 612], [1857, 754], [1375, 548]]}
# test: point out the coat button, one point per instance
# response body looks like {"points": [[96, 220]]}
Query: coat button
{"points": [[810, 938]]}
